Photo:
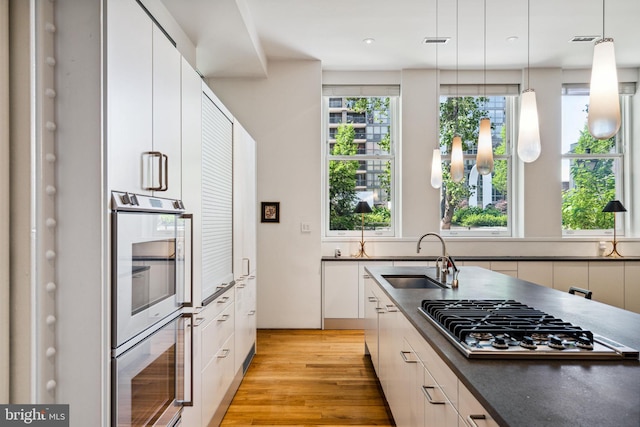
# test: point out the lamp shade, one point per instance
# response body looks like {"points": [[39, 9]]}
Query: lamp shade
{"points": [[436, 169], [457, 159], [604, 102], [362, 207], [484, 158], [614, 206], [529, 130]]}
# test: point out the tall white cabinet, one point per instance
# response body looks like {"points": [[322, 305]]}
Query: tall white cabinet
{"points": [[143, 104], [244, 243]]}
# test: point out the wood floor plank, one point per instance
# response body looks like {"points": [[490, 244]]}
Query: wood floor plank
{"points": [[309, 378]]}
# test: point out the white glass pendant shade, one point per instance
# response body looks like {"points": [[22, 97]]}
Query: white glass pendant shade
{"points": [[484, 158], [604, 103], [529, 130], [436, 169], [457, 160]]}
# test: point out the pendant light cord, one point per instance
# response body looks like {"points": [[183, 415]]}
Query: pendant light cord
{"points": [[603, 19], [484, 75], [457, 85], [528, 44]]}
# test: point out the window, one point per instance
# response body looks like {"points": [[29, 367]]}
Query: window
{"points": [[480, 205], [359, 152], [592, 170]]}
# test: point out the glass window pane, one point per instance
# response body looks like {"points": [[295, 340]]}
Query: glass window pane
{"points": [[591, 184], [353, 180]]}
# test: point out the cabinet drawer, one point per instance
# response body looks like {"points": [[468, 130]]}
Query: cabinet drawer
{"points": [[438, 410], [216, 379], [214, 308], [216, 332], [471, 411]]}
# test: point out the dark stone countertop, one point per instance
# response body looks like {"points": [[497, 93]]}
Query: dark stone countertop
{"points": [[535, 393], [514, 258]]}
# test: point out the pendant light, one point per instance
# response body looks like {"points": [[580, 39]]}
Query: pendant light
{"points": [[436, 159], [484, 158], [436, 169], [457, 158], [529, 130], [604, 103]]}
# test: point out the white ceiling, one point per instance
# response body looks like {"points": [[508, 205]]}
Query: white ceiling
{"points": [[238, 37]]}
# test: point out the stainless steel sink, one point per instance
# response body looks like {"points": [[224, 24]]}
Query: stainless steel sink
{"points": [[412, 281]]}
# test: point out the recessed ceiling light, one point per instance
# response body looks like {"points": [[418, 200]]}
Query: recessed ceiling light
{"points": [[512, 39], [436, 40], [576, 39], [368, 40]]}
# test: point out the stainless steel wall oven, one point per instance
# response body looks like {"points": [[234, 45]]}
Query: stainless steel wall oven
{"points": [[151, 330]]}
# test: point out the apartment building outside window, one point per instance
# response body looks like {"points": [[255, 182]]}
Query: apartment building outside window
{"points": [[359, 153]]}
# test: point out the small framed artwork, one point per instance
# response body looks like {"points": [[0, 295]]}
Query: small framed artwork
{"points": [[270, 212]]}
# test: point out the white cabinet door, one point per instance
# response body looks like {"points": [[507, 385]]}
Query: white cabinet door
{"points": [[341, 296], [129, 93], [606, 281], [362, 275], [471, 411], [538, 272], [632, 286], [166, 117], [371, 322], [570, 273]]}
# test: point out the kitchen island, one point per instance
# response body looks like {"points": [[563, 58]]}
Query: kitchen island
{"points": [[533, 392]]}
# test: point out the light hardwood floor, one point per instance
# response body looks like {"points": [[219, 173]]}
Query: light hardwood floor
{"points": [[309, 378]]}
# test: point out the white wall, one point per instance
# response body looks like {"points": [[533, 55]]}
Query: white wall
{"points": [[283, 114]]}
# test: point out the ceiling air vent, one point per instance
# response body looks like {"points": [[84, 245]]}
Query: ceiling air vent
{"points": [[576, 39], [436, 40]]}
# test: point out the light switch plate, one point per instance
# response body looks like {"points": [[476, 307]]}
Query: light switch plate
{"points": [[305, 227]]}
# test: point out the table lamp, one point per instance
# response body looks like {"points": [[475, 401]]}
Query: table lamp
{"points": [[362, 208], [614, 206]]}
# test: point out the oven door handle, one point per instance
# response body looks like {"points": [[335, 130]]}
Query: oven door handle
{"points": [[184, 389], [188, 270]]}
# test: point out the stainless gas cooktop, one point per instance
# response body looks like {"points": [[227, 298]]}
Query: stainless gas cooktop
{"points": [[507, 329]]}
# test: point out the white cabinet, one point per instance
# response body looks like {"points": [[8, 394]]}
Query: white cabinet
{"points": [[570, 273], [362, 276], [419, 386], [166, 173], [244, 242], [217, 353], [606, 281], [129, 93], [371, 328], [143, 104], [341, 296], [632, 286], [539, 272]]}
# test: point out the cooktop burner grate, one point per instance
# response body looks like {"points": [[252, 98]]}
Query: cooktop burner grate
{"points": [[510, 329]]}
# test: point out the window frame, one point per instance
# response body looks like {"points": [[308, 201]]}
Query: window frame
{"points": [[512, 94], [621, 156], [392, 92]]}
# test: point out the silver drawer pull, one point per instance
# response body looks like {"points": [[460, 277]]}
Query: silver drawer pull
{"points": [[380, 310], [223, 318], [425, 389], [472, 419], [404, 357], [391, 308], [373, 299], [198, 321], [224, 353], [252, 312], [223, 300], [366, 276]]}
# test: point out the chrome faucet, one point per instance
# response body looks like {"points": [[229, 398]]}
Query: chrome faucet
{"points": [[446, 259]]}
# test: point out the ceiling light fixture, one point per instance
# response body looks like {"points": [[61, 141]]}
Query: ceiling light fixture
{"points": [[457, 157], [529, 147], [368, 40], [604, 103], [436, 159], [484, 158]]}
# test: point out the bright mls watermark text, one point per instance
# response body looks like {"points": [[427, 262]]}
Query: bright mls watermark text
{"points": [[34, 415]]}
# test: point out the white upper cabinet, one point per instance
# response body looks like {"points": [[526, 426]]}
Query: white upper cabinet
{"points": [[143, 104], [166, 117]]}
